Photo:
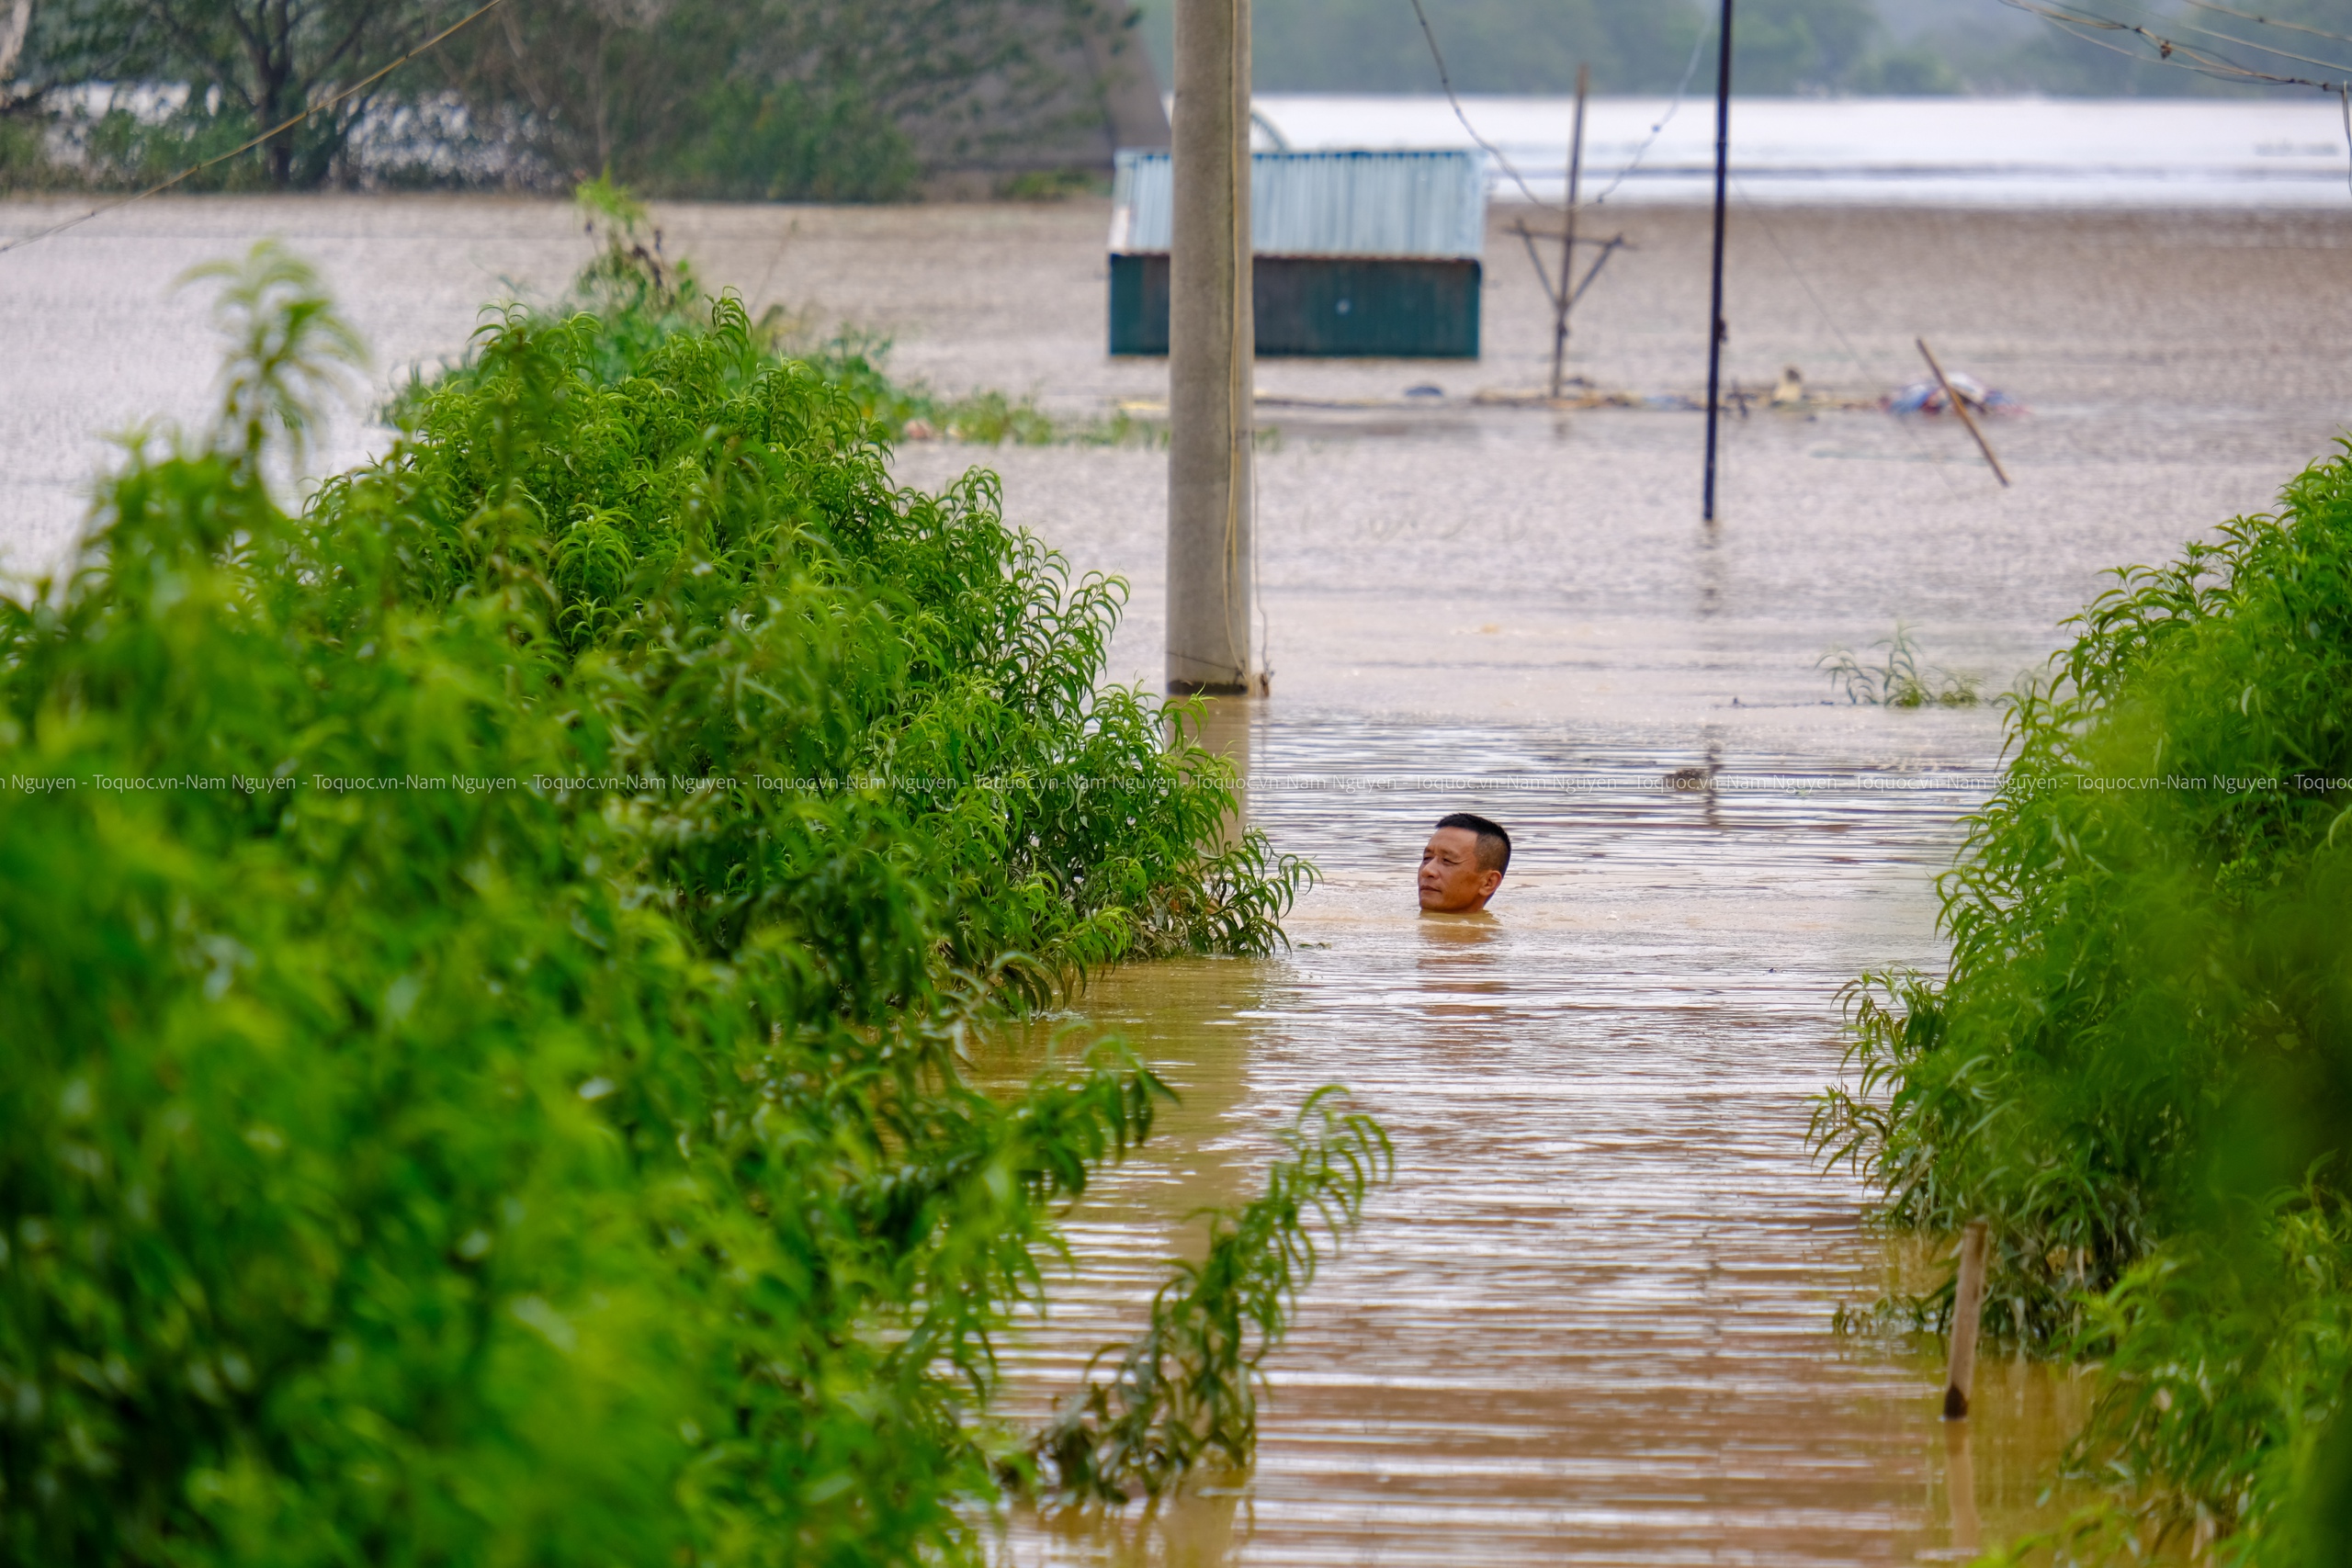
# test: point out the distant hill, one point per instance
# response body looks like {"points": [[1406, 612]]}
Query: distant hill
{"points": [[1897, 47]]}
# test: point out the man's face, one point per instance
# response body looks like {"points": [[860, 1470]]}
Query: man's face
{"points": [[1451, 881]]}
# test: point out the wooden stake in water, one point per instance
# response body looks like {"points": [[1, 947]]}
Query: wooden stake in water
{"points": [[1967, 1314], [1715, 329], [1960, 1486], [1561, 305], [1959, 407]]}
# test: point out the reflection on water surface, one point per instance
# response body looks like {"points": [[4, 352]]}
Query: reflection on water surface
{"points": [[1591, 1321]]}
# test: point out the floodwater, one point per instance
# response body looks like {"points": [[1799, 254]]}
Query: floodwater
{"points": [[1591, 1319], [2286, 151], [1591, 1322]]}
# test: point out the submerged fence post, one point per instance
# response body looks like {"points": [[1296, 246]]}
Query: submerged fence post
{"points": [[1211, 353], [1967, 1314], [1960, 1487]]}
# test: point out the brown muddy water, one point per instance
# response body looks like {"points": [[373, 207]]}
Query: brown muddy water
{"points": [[1591, 1320]]}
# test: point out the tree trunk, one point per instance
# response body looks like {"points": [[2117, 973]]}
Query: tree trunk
{"points": [[270, 47], [18, 23]]}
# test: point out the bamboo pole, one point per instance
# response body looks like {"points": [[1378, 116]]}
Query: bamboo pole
{"points": [[1967, 1315], [1211, 353], [1565, 299], [1959, 407], [1716, 329]]}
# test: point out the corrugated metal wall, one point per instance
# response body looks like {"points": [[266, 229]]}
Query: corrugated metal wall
{"points": [[1324, 204], [1320, 306]]}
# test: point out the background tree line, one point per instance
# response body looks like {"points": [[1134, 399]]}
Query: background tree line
{"points": [[870, 99], [1780, 47], [814, 99]]}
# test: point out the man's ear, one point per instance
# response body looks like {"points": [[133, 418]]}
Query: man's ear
{"points": [[1488, 882]]}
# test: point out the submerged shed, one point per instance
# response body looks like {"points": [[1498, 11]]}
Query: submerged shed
{"points": [[1357, 254]]}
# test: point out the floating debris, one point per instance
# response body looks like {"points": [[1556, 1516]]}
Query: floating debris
{"points": [[1927, 397], [1582, 394], [1790, 395]]}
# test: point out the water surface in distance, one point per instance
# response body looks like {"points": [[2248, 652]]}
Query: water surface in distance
{"points": [[1591, 1321], [1878, 152]]}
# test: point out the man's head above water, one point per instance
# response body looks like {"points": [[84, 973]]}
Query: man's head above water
{"points": [[1463, 864]]}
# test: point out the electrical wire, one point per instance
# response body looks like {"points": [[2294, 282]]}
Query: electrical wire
{"points": [[2268, 49], [1446, 81], [2267, 21], [1691, 67], [2072, 19], [1698, 47], [1752, 208], [156, 189], [2169, 52]]}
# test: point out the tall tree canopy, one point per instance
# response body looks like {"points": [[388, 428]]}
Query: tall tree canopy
{"points": [[247, 64], [772, 98]]}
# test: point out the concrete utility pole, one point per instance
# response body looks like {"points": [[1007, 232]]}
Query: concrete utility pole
{"points": [[1211, 354]]}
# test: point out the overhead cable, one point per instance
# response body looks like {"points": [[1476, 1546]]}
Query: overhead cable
{"points": [[356, 87], [1755, 210], [2075, 18], [1446, 81], [2083, 24], [2269, 21], [2268, 49]]}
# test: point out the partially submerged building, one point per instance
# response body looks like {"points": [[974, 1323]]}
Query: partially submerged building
{"points": [[1357, 254]]}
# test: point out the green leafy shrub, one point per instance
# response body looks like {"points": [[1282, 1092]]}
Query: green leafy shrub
{"points": [[913, 410], [2140, 1062], [486, 958], [643, 299], [123, 149], [1901, 681], [793, 142], [1186, 1388], [28, 163]]}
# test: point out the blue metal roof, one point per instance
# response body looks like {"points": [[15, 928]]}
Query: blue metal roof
{"points": [[1323, 203]]}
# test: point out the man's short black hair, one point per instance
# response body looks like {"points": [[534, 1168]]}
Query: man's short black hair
{"points": [[1494, 845]]}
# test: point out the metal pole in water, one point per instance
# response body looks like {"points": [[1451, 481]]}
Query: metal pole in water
{"points": [[1967, 1313], [1211, 353], [1715, 317], [1568, 237]]}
